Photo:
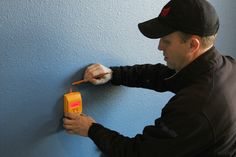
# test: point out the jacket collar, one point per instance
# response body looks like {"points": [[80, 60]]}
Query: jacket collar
{"points": [[193, 70]]}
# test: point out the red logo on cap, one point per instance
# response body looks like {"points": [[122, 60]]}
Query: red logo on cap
{"points": [[165, 11]]}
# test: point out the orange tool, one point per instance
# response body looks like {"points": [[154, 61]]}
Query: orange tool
{"points": [[73, 102]]}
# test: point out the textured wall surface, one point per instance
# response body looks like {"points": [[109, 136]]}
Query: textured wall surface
{"points": [[46, 44]]}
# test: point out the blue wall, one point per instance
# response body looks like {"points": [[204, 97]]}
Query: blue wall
{"points": [[46, 44]]}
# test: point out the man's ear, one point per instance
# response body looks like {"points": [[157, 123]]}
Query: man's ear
{"points": [[195, 43]]}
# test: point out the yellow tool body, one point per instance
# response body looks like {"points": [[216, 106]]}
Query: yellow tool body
{"points": [[73, 102]]}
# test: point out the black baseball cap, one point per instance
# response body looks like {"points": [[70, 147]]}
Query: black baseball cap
{"points": [[196, 17]]}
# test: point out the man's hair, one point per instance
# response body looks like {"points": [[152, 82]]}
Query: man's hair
{"points": [[206, 41]]}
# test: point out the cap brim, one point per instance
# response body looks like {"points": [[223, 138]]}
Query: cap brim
{"points": [[154, 29]]}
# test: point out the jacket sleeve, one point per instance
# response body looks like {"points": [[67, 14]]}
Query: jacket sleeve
{"points": [[145, 76], [177, 133]]}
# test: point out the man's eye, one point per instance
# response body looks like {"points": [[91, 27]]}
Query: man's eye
{"points": [[166, 42]]}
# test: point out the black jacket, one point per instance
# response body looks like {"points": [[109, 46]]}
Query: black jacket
{"points": [[200, 120]]}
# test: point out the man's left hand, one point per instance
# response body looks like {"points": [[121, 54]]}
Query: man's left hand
{"points": [[75, 123]]}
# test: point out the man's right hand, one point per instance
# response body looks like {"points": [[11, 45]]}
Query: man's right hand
{"points": [[97, 74]]}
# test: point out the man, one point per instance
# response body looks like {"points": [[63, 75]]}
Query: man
{"points": [[200, 119]]}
